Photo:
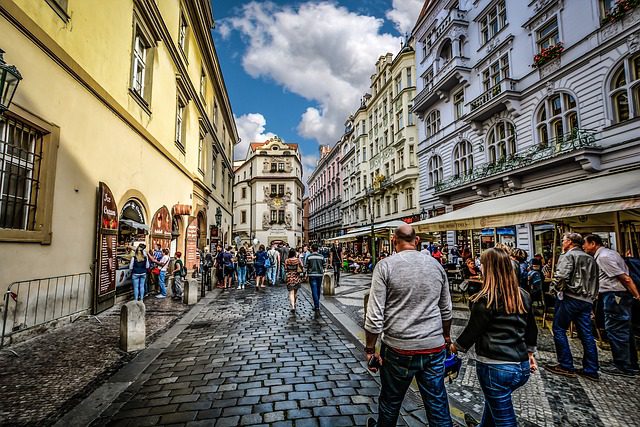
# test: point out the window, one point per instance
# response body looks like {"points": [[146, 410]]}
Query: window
{"points": [[432, 123], [203, 85], [364, 153], [435, 170], [409, 77], [548, 35], [463, 158], [274, 167], [386, 170], [501, 141], [409, 196], [280, 189], [401, 159], [493, 21], [243, 217], [395, 203], [378, 208], [182, 33], [274, 216], [400, 119], [410, 120], [215, 112], [139, 76], [60, 8], [274, 189], [201, 153], [606, 6], [214, 165], [458, 104], [280, 217], [244, 193], [388, 205], [180, 125], [625, 90], [495, 72], [446, 51], [557, 115], [412, 155], [398, 85], [280, 167], [393, 166]]}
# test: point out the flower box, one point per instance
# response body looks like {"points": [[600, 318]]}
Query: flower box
{"points": [[548, 54]]}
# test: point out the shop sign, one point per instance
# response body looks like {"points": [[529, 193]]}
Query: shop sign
{"points": [[132, 210], [192, 256], [181, 209], [106, 242], [161, 228]]}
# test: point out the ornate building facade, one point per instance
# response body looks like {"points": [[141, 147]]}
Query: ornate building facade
{"points": [[325, 195], [520, 96], [268, 194]]}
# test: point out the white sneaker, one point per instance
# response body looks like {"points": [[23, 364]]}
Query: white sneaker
{"points": [[161, 296], [239, 287]]}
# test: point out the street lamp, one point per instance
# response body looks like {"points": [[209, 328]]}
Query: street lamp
{"points": [[9, 79], [218, 217]]}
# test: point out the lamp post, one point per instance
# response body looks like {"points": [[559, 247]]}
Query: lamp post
{"points": [[219, 220], [372, 237], [9, 79]]}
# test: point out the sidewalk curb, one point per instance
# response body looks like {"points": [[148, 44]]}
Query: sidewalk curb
{"points": [[92, 407]]}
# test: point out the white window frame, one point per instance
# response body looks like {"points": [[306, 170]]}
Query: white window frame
{"points": [[462, 158], [501, 141], [497, 11], [180, 110], [432, 123], [435, 170]]}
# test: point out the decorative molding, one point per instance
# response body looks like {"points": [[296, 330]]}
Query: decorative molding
{"points": [[633, 42], [544, 10], [550, 68]]}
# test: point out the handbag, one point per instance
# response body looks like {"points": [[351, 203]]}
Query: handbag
{"points": [[155, 270]]}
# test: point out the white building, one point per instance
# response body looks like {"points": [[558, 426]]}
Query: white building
{"points": [[268, 194], [515, 96]]}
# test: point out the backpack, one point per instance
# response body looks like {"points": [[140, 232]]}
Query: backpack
{"points": [[272, 257], [227, 259], [536, 279], [183, 270], [523, 275], [242, 260]]}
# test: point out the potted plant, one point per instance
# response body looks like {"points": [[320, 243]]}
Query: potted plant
{"points": [[548, 54]]}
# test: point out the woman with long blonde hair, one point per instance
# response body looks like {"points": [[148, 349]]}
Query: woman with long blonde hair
{"points": [[503, 329]]}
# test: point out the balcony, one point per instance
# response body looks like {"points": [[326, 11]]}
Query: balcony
{"points": [[578, 145], [503, 96], [455, 18], [449, 75]]}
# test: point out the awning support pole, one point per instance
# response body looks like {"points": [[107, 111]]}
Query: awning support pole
{"points": [[470, 240], [553, 249], [495, 236], [616, 227]]}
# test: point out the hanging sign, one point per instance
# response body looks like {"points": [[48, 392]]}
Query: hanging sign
{"points": [[161, 228], [106, 241]]}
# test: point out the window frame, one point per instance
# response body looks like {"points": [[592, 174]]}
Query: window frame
{"points": [[462, 158], [629, 88], [549, 121], [435, 170], [432, 123], [497, 143], [541, 40], [499, 9], [458, 104], [181, 107]]}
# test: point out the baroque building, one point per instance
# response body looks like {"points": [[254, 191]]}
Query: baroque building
{"points": [[268, 194], [325, 195], [150, 130], [515, 97]]}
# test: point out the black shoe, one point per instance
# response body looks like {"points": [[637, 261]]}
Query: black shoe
{"points": [[559, 370], [587, 375], [614, 370], [292, 311], [371, 422]]}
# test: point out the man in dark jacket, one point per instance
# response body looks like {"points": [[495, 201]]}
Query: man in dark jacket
{"points": [[314, 266], [576, 285]]}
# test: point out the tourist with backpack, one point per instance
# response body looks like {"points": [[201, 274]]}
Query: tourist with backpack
{"points": [[179, 273], [535, 279], [261, 261], [274, 265], [227, 267], [241, 259]]}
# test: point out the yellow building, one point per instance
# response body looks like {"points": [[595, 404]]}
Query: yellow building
{"points": [[124, 92]]}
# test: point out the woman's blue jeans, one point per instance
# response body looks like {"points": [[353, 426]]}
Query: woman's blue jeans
{"points": [[498, 382], [242, 275], [272, 274], [315, 282], [161, 280], [138, 285]]}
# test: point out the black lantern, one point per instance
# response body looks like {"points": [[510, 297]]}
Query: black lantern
{"points": [[218, 217], [9, 79]]}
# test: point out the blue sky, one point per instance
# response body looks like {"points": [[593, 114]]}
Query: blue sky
{"points": [[297, 69]]}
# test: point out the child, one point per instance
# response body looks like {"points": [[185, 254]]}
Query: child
{"points": [[535, 279]]}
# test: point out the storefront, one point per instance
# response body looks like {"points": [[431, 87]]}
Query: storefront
{"points": [[132, 231]]}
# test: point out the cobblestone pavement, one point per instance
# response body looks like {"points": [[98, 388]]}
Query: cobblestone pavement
{"points": [[55, 371], [246, 360], [546, 399]]}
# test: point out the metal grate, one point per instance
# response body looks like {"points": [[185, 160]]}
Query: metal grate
{"points": [[20, 162]]}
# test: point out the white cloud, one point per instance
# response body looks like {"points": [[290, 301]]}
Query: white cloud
{"points": [[318, 50], [309, 162], [251, 128], [404, 14]]}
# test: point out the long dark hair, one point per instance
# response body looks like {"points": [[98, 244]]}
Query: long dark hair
{"points": [[500, 285]]}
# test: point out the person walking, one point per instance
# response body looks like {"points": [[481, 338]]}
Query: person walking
{"points": [[179, 273], [617, 291], [503, 329], [283, 251], [576, 284], [241, 259], [335, 261], [227, 264], [293, 267], [139, 265], [219, 266], [163, 265], [274, 267], [314, 267], [261, 270], [410, 305]]}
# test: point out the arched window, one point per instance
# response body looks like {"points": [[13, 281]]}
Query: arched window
{"points": [[463, 158], [435, 170], [625, 90], [446, 51], [557, 116], [432, 123], [501, 141]]}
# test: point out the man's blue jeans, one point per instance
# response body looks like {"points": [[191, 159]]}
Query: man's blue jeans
{"points": [[498, 382], [161, 280], [617, 323], [242, 275], [138, 281], [272, 274], [396, 375], [573, 310], [316, 283]]}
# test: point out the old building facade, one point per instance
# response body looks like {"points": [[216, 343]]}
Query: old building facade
{"points": [[325, 195], [146, 114], [268, 194], [519, 96]]}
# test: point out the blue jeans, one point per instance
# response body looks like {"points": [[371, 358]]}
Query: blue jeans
{"points": [[617, 324], [161, 280], [396, 375], [498, 382], [316, 283], [272, 274], [573, 310], [138, 285], [242, 275]]}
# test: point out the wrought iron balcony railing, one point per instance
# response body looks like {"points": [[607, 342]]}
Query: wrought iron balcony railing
{"points": [[572, 141]]}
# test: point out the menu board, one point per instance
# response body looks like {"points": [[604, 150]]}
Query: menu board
{"points": [[161, 228], [107, 262], [106, 242], [192, 257]]}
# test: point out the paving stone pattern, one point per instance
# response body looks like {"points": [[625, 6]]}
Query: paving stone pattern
{"points": [[546, 399], [55, 371], [245, 360]]}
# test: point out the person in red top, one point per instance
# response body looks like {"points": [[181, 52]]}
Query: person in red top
{"points": [[437, 254]]}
